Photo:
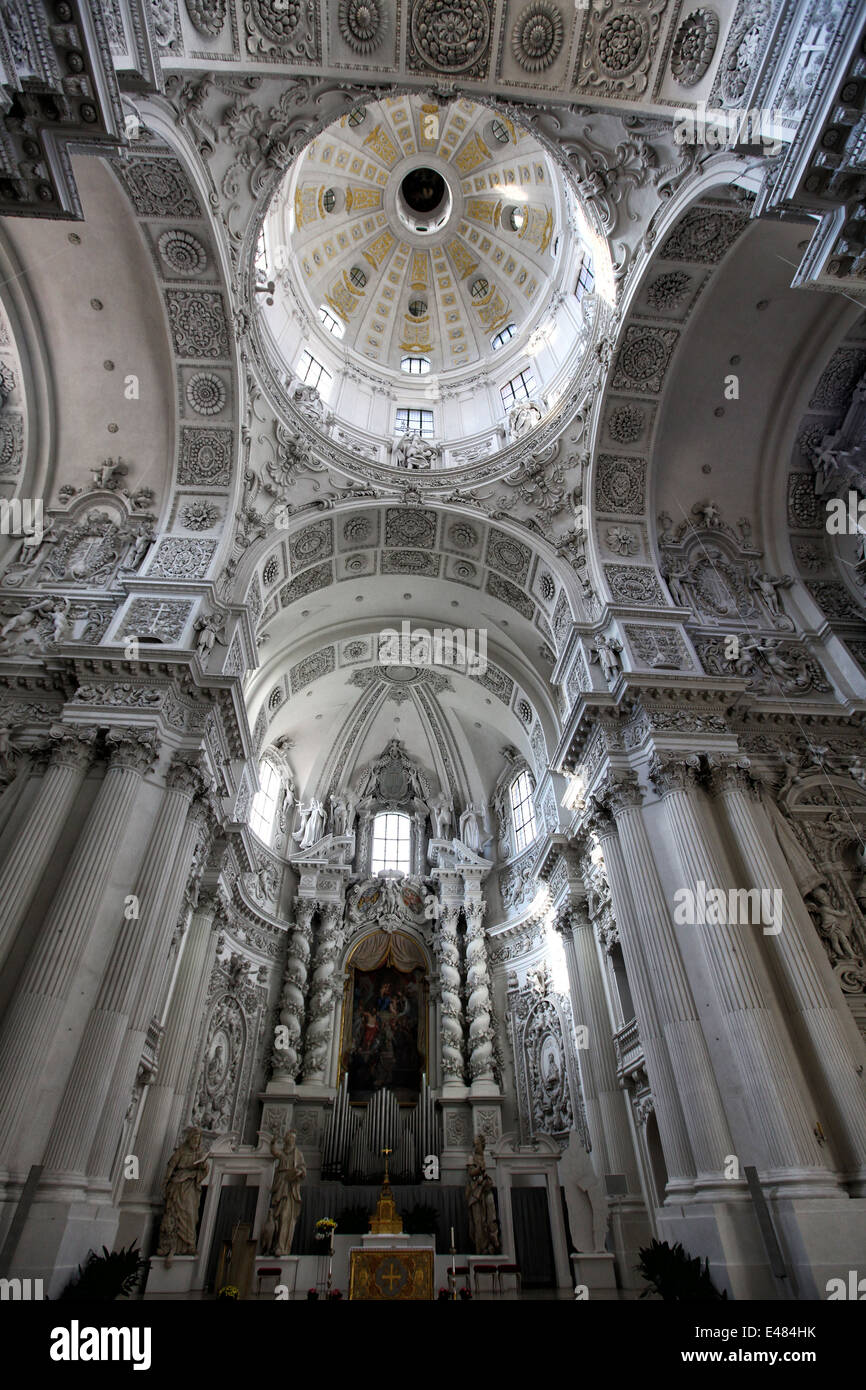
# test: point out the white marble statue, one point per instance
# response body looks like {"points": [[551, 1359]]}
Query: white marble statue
{"points": [[578, 1177], [312, 827], [441, 814], [411, 451]]}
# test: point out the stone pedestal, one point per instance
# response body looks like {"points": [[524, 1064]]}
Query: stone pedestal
{"points": [[594, 1271], [175, 1278]]}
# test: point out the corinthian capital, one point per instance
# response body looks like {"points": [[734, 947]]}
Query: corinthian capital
{"points": [[618, 791], [134, 748], [729, 774], [675, 772], [184, 774]]}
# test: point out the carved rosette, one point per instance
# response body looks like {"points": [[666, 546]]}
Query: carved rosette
{"points": [[286, 1060], [451, 1012], [479, 1008], [318, 1035]]}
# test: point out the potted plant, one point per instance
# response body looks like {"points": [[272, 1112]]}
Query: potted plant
{"points": [[229, 1291], [113, 1274], [675, 1275], [312, 1293]]}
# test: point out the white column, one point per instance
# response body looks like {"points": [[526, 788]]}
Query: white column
{"points": [[99, 1086], [603, 1097], [31, 1024], [162, 1112], [35, 839], [812, 1006], [770, 1081], [650, 947]]}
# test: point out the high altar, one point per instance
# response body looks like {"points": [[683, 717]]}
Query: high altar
{"points": [[383, 1270]]}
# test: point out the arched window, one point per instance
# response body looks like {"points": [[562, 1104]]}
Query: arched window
{"points": [[392, 842], [522, 812], [264, 807]]}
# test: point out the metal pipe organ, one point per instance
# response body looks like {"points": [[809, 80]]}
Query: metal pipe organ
{"points": [[356, 1134]]}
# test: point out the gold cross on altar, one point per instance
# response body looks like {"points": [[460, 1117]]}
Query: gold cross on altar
{"points": [[391, 1277]]}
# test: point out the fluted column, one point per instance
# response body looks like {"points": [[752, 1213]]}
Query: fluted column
{"points": [[640, 960], [287, 1059], [35, 839], [31, 1025], [604, 1100], [453, 1062], [317, 1041], [479, 1006], [102, 1077], [843, 1091], [162, 1111], [771, 1083]]}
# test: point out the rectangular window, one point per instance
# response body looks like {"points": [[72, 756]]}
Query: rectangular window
{"points": [[585, 277], [392, 843], [264, 807], [522, 812], [519, 388], [312, 373], [415, 422]]}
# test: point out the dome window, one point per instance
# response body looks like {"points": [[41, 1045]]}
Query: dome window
{"points": [[326, 318], [479, 288], [418, 308], [329, 200], [516, 219], [358, 115], [503, 336], [358, 277], [499, 131], [415, 366]]}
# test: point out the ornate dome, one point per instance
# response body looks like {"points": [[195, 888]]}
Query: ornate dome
{"points": [[419, 245]]}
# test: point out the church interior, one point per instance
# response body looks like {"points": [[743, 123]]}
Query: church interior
{"points": [[433, 648]]}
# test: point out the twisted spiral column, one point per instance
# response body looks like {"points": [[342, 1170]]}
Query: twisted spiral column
{"points": [[480, 1006], [321, 1008], [286, 1060], [453, 1062]]}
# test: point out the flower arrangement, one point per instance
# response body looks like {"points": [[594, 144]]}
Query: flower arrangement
{"points": [[334, 1295], [312, 1293], [465, 1293], [444, 1295], [229, 1291], [325, 1227]]}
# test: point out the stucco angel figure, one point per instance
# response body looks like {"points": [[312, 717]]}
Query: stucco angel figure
{"points": [[442, 814], [483, 1225], [186, 1171], [210, 631], [286, 1192], [832, 924], [28, 618]]}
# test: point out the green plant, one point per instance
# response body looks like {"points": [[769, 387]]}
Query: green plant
{"points": [[113, 1274], [674, 1275], [421, 1220], [229, 1291]]}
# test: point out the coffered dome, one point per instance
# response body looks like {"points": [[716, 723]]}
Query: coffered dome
{"points": [[423, 230], [419, 245]]}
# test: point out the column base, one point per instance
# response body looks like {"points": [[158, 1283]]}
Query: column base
{"points": [[596, 1271]]}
